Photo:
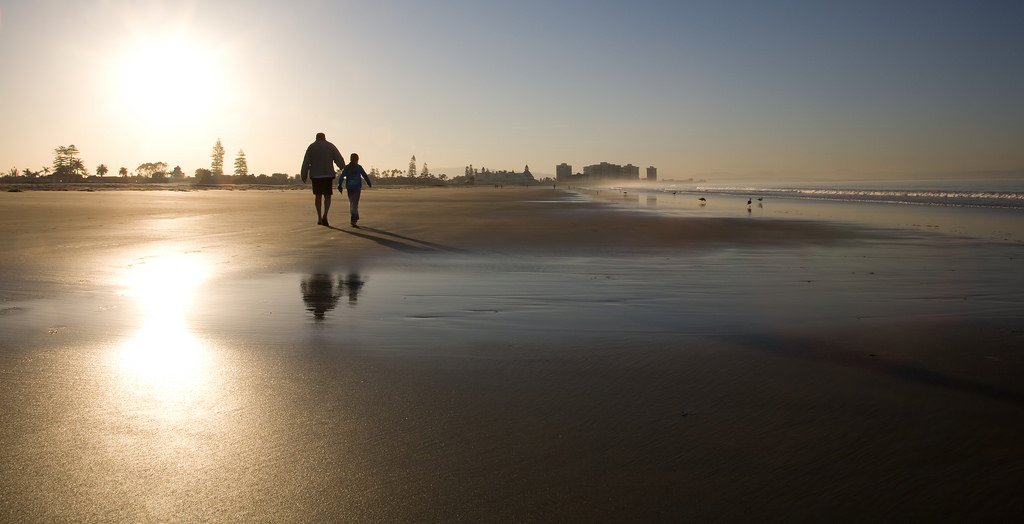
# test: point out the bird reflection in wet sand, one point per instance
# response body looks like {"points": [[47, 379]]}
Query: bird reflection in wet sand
{"points": [[322, 292]]}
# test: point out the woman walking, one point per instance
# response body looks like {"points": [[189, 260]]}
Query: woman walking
{"points": [[352, 179]]}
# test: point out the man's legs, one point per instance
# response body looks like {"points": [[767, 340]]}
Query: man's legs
{"points": [[317, 199], [327, 207]]}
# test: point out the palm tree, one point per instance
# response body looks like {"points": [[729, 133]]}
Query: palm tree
{"points": [[78, 167], [101, 170]]}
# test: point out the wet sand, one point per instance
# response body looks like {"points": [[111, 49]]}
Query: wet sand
{"points": [[498, 355]]}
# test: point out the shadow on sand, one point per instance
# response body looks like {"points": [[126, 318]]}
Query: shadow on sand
{"points": [[823, 352], [396, 241]]}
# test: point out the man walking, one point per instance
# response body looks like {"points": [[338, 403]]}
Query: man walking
{"points": [[318, 166]]}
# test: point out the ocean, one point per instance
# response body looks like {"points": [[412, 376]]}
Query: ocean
{"points": [[987, 209], [998, 193]]}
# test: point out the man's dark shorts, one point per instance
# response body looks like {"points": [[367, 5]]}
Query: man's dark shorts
{"points": [[323, 186]]}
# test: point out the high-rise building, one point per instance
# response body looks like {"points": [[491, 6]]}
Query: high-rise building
{"points": [[563, 171], [613, 171], [652, 174]]}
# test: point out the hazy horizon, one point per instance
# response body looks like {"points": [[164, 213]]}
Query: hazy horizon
{"points": [[789, 89]]}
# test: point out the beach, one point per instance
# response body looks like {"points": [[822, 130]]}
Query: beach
{"points": [[501, 355]]}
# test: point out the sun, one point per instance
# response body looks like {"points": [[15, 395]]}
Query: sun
{"points": [[168, 81]]}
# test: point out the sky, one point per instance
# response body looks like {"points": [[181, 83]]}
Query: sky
{"points": [[777, 88]]}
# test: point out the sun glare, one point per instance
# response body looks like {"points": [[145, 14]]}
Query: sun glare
{"points": [[168, 82], [163, 355]]}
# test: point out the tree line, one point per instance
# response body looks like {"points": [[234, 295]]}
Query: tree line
{"points": [[68, 167]]}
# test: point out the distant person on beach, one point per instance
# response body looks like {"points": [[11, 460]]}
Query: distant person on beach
{"points": [[318, 166], [352, 177]]}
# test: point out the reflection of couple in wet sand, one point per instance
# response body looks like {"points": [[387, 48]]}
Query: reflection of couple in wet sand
{"points": [[318, 166], [321, 292]]}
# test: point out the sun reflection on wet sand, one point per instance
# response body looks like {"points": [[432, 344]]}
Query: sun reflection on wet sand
{"points": [[164, 357]]}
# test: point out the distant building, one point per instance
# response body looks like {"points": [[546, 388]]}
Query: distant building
{"points": [[652, 174], [612, 171], [563, 171], [485, 176], [602, 170]]}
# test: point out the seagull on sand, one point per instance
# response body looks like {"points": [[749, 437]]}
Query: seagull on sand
{"points": [[749, 202], [703, 200]]}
